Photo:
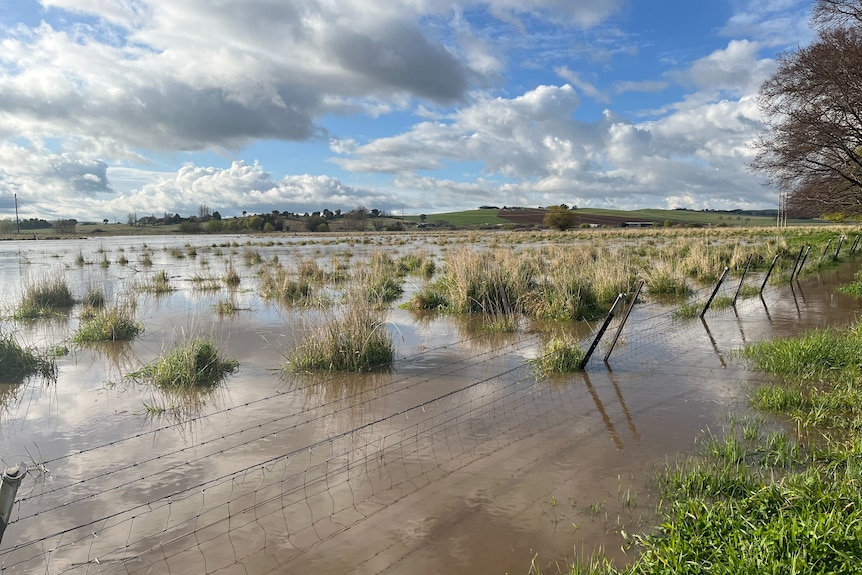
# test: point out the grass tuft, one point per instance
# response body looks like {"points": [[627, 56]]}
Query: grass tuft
{"points": [[115, 323], [44, 297], [17, 362], [196, 363], [560, 354]]}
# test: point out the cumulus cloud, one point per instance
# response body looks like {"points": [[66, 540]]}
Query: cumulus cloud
{"points": [[99, 97], [242, 187]]}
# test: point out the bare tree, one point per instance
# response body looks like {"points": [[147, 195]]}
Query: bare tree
{"points": [[812, 107]]}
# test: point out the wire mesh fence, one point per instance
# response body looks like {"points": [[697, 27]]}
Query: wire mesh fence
{"points": [[261, 494]]}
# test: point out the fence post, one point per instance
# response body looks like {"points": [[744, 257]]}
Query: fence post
{"points": [[742, 279], [838, 249], [855, 243], [805, 257], [826, 249], [769, 273], [601, 332], [796, 263], [12, 478], [715, 291], [624, 319]]}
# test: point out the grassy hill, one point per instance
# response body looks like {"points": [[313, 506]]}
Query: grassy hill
{"points": [[605, 217]]}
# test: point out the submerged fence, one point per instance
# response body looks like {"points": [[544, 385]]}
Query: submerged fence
{"points": [[265, 492]]}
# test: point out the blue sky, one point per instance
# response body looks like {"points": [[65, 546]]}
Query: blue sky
{"points": [[118, 107]]}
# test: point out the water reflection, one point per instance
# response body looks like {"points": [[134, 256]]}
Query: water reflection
{"points": [[713, 343]]}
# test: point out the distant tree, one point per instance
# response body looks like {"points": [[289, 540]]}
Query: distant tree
{"points": [[65, 226], [216, 216], [559, 217], [105, 221], [422, 218], [359, 216], [132, 219], [190, 226], [315, 223], [204, 213]]}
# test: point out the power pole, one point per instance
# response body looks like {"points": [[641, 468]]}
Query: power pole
{"points": [[17, 219]]}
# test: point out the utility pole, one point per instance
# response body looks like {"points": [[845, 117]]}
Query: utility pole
{"points": [[17, 220]]}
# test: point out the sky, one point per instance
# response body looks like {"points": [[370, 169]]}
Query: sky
{"points": [[111, 108]]}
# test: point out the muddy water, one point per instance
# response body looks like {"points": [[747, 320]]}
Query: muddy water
{"points": [[458, 460]]}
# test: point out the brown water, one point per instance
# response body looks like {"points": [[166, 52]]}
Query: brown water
{"points": [[458, 460]]}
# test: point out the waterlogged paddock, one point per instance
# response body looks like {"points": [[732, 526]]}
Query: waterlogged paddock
{"points": [[458, 459]]}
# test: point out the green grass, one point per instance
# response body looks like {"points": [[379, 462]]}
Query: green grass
{"points": [[44, 298], [158, 283], [18, 363], [464, 218], [226, 307], [353, 339], [196, 363], [687, 311], [560, 354], [115, 323], [758, 499]]}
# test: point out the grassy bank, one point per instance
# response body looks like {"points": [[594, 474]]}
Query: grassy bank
{"points": [[760, 499]]}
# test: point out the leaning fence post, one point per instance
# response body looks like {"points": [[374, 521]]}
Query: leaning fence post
{"points": [[601, 332], [826, 249], [796, 263], [715, 291], [855, 243], [742, 279], [769, 273], [624, 319], [12, 478], [802, 263], [838, 249]]}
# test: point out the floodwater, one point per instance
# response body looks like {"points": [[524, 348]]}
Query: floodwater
{"points": [[458, 460]]}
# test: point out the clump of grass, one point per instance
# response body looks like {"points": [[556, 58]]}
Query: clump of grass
{"points": [[159, 283], [231, 277], [146, 260], [226, 307], [277, 283], [353, 340], [115, 323], [560, 354], [43, 298], [432, 296], [95, 298], [196, 363], [252, 257], [663, 278], [17, 362], [687, 310]]}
